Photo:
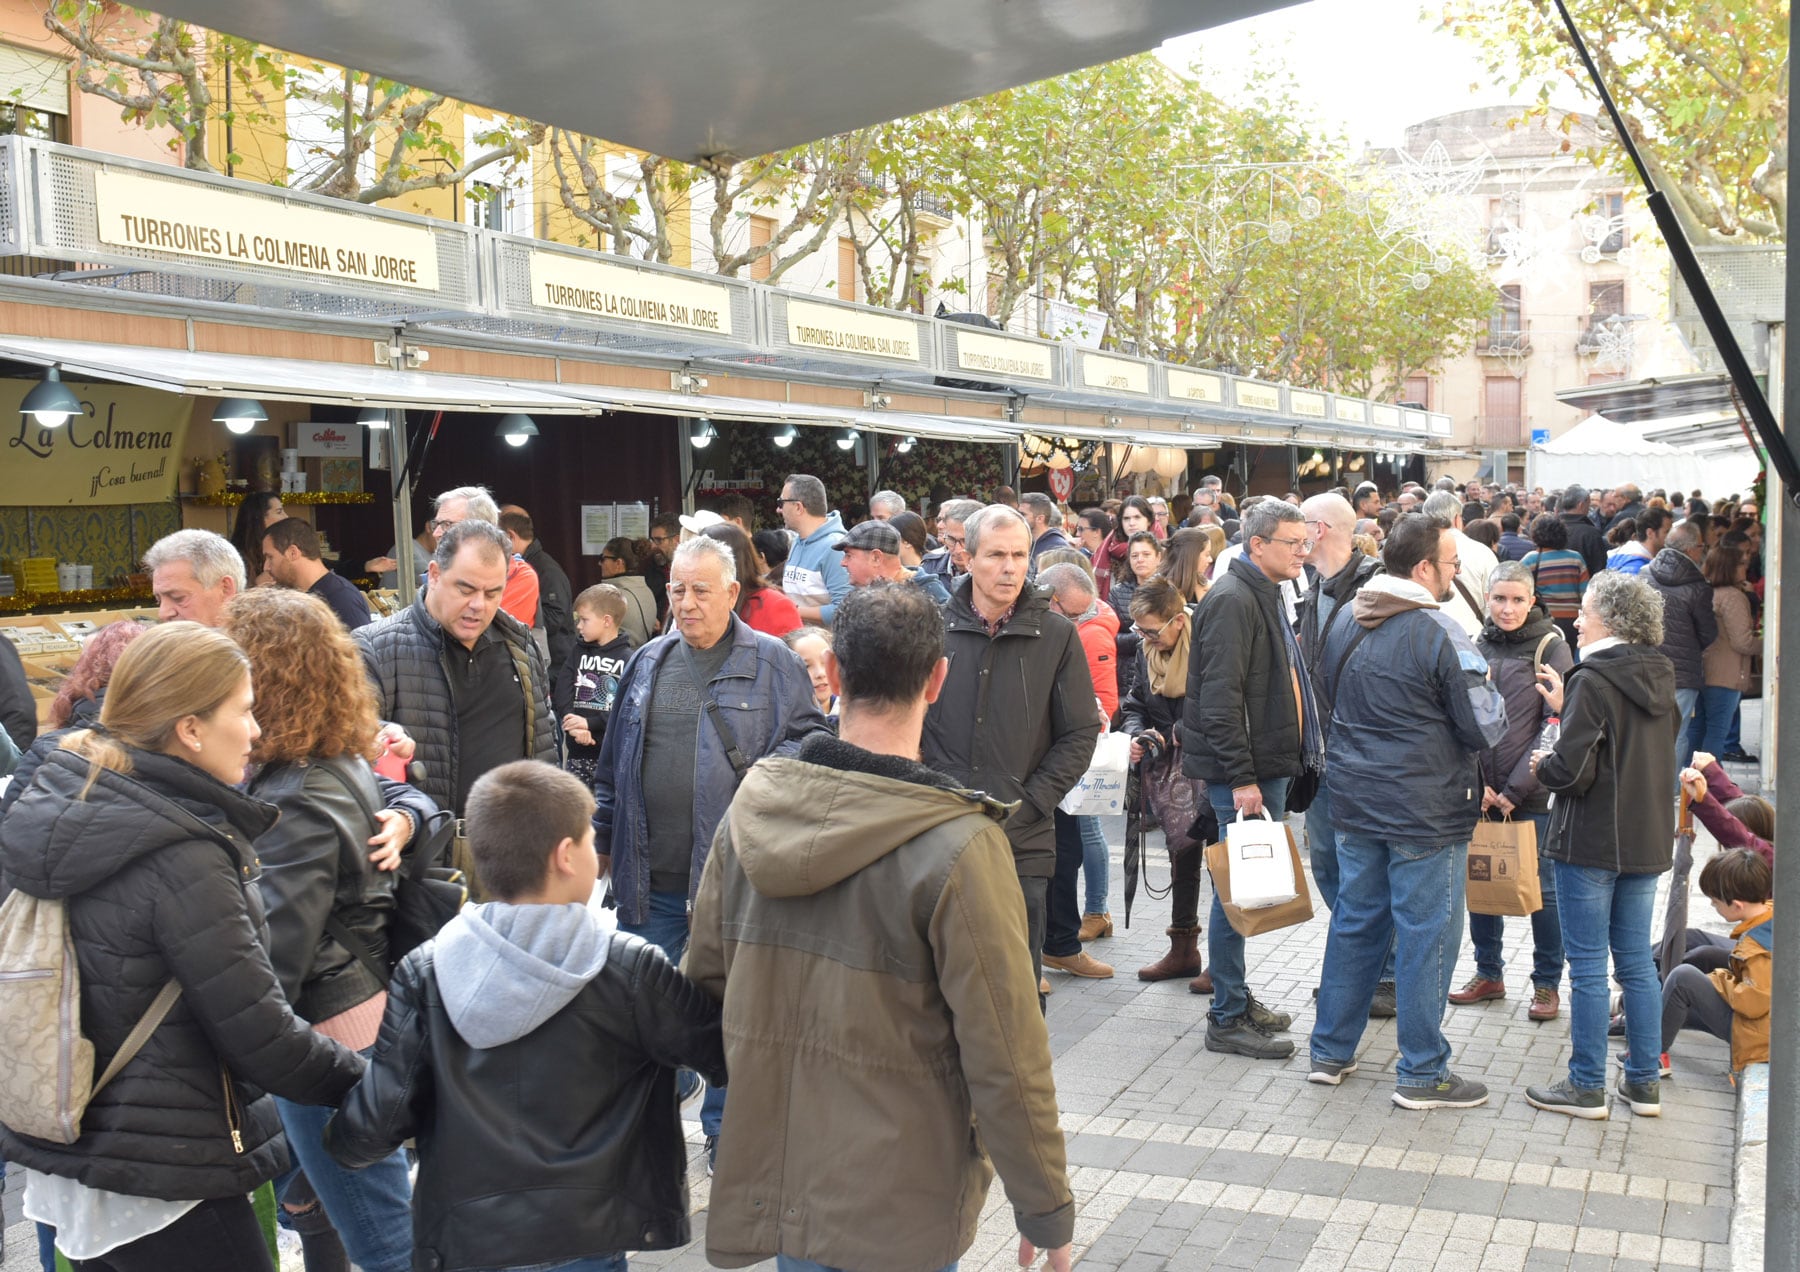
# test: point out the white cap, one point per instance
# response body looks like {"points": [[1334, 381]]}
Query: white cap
{"points": [[696, 522]]}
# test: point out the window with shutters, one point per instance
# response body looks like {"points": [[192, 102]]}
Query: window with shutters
{"points": [[34, 95], [1417, 389], [762, 230], [1502, 421], [846, 279]]}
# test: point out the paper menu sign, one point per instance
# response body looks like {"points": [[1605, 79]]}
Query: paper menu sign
{"points": [[600, 522]]}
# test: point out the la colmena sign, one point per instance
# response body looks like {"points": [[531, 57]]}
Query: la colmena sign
{"points": [[230, 228], [124, 447]]}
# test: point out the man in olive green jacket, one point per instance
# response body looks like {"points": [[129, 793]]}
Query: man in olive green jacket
{"points": [[861, 920]]}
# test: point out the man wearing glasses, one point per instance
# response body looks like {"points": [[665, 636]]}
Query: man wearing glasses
{"points": [[1404, 680], [814, 578], [665, 535], [951, 559], [1248, 730], [467, 503]]}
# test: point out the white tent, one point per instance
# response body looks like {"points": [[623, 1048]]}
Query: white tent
{"points": [[1599, 453]]}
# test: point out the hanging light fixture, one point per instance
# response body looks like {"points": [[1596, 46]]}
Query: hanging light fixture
{"points": [[372, 417], [702, 434], [516, 429], [50, 402], [239, 414], [784, 436], [847, 439], [905, 444]]}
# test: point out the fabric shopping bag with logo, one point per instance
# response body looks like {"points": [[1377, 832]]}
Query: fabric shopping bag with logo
{"points": [[1101, 790], [1503, 869], [1258, 876]]}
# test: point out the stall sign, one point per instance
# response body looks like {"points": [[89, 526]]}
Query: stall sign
{"points": [[1004, 356], [327, 440], [1114, 374], [124, 447], [623, 294], [849, 331], [1195, 386]]}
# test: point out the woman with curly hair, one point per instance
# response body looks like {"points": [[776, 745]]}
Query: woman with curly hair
{"points": [[330, 898], [78, 702]]}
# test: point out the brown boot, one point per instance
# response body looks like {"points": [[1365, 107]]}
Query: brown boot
{"points": [[1094, 926], [1182, 960], [1201, 984]]}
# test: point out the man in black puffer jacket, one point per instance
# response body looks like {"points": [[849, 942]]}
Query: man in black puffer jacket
{"points": [[465, 679], [1688, 622]]}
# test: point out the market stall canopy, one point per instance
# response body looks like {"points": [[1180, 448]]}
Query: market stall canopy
{"points": [[696, 79], [1598, 453]]}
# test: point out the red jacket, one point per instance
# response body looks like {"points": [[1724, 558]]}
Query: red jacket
{"points": [[1100, 639], [770, 611]]}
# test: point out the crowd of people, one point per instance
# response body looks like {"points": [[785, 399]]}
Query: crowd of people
{"points": [[819, 771]]}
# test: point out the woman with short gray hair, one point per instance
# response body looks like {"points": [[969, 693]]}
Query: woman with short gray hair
{"points": [[1612, 830]]}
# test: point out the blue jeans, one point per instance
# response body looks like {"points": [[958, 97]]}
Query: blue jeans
{"points": [[1546, 927], [371, 1209], [1412, 898], [1224, 947], [1604, 910], [594, 1263], [788, 1263], [666, 927], [1095, 865], [1686, 700], [1322, 854], [1713, 720]]}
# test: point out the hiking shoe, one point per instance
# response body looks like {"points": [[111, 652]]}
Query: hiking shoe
{"points": [[1448, 1092], [1479, 990], [1645, 1098], [1082, 964], [1384, 1006], [1663, 1069], [1266, 1020], [1095, 926], [1566, 1097], [712, 1154], [1242, 1036], [1615, 1028], [1330, 1072], [1544, 1004]]}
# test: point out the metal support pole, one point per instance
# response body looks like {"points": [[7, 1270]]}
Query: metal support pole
{"points": [[1781, 1222], [405, 580]]}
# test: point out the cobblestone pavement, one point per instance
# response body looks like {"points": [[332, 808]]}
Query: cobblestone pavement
{"points": [[1183, 1159]]}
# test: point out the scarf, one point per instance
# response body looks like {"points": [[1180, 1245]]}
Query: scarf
{"points": [[1169, 668]]}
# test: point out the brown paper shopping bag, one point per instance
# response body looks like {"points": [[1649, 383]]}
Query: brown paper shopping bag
{"points": [[1503, 869], [1268, 918]]}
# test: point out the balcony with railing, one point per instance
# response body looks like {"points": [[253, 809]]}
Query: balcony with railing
{"points": [[1500, 430], [1505, 337]]}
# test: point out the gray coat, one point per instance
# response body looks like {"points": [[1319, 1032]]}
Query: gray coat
{"points": [[405, 656], [1688, 622]]}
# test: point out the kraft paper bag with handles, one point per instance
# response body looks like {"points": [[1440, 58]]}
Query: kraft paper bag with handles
{"points": [[1503, 869], [1266, 918], [1261, 871]]}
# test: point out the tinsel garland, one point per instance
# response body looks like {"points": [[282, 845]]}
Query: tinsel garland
{"points": [[298, 498]]}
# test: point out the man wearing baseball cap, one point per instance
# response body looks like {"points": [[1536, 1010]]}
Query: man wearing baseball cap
{"points": [[872, 555]]}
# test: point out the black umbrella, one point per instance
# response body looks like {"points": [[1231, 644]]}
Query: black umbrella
{"points": [[1673, 947], [1134, 836]]}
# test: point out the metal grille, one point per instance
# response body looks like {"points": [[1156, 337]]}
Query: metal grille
{"points": [[511, 294], [1750, 283], [70, 227], [12, 204]]}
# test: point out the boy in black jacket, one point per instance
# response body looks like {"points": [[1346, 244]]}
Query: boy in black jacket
{"points": [[520, 1166], [582, 694]]}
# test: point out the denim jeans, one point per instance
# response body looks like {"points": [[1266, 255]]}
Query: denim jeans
{"points": [[1062, 922], [1224, 947], [1713, 718], [666, 927], [1096, 865], [593, 1263], [1602, 910], [1686, 700], [1485, 930], [371, 1209], [1412, 898], [788, 1263], [1322, 855]]}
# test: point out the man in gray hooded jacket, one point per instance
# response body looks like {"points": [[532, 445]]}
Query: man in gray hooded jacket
{"points": [[1403, 683]]}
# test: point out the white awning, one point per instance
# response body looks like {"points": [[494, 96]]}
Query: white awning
{"points": [[759, 410]]}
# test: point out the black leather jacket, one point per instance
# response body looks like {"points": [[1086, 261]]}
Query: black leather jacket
{"points": [[158, 875], [315, 863], [561, 1144], [1240, 725]]}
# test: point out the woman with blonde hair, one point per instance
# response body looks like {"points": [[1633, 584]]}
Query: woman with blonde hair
{"points": [[329, 900], [137, 828]]}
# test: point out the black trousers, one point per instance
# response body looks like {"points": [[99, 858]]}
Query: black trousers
{"points": [[220, 1235]]}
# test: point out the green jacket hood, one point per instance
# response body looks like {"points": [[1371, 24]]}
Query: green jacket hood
{"points": [[800, 828]]}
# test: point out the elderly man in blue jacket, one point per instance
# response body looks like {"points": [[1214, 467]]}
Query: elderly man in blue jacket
{"points": [[1412, 708], [694, 710]]}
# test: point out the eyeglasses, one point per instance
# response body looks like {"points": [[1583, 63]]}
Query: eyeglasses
{"points": [[607, 557], [701, 591], [1301, 546], [954, 540], [440, 525], [661, 536], [779, 502], [1149, 633], [1455, 564]]}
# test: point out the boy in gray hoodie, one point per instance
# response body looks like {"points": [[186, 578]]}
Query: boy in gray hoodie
{"points": [[533, 1055]]}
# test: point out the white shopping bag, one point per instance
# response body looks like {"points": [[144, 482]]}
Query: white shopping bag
{"points": [[1101, 790], [1262, 867]]}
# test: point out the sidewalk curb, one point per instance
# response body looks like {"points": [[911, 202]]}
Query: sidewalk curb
{"points": [[1750, 1175]]}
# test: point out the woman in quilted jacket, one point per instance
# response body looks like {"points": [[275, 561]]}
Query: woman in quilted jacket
{"points": [[328, 882], [138, 828]]}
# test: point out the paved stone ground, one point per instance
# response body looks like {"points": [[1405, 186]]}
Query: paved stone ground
{"points": [[1183, 1159]]}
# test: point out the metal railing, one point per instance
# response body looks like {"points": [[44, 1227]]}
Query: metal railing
{"points": [[1504, 336]]}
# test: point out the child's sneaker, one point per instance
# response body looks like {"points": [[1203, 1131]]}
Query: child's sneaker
{"points": [[1645, 1098]]}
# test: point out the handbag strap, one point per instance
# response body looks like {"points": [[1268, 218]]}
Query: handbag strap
{"points": [[1468, 596], [739, 764], [1337, 669], [140, 1033], [1537, 655]]}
